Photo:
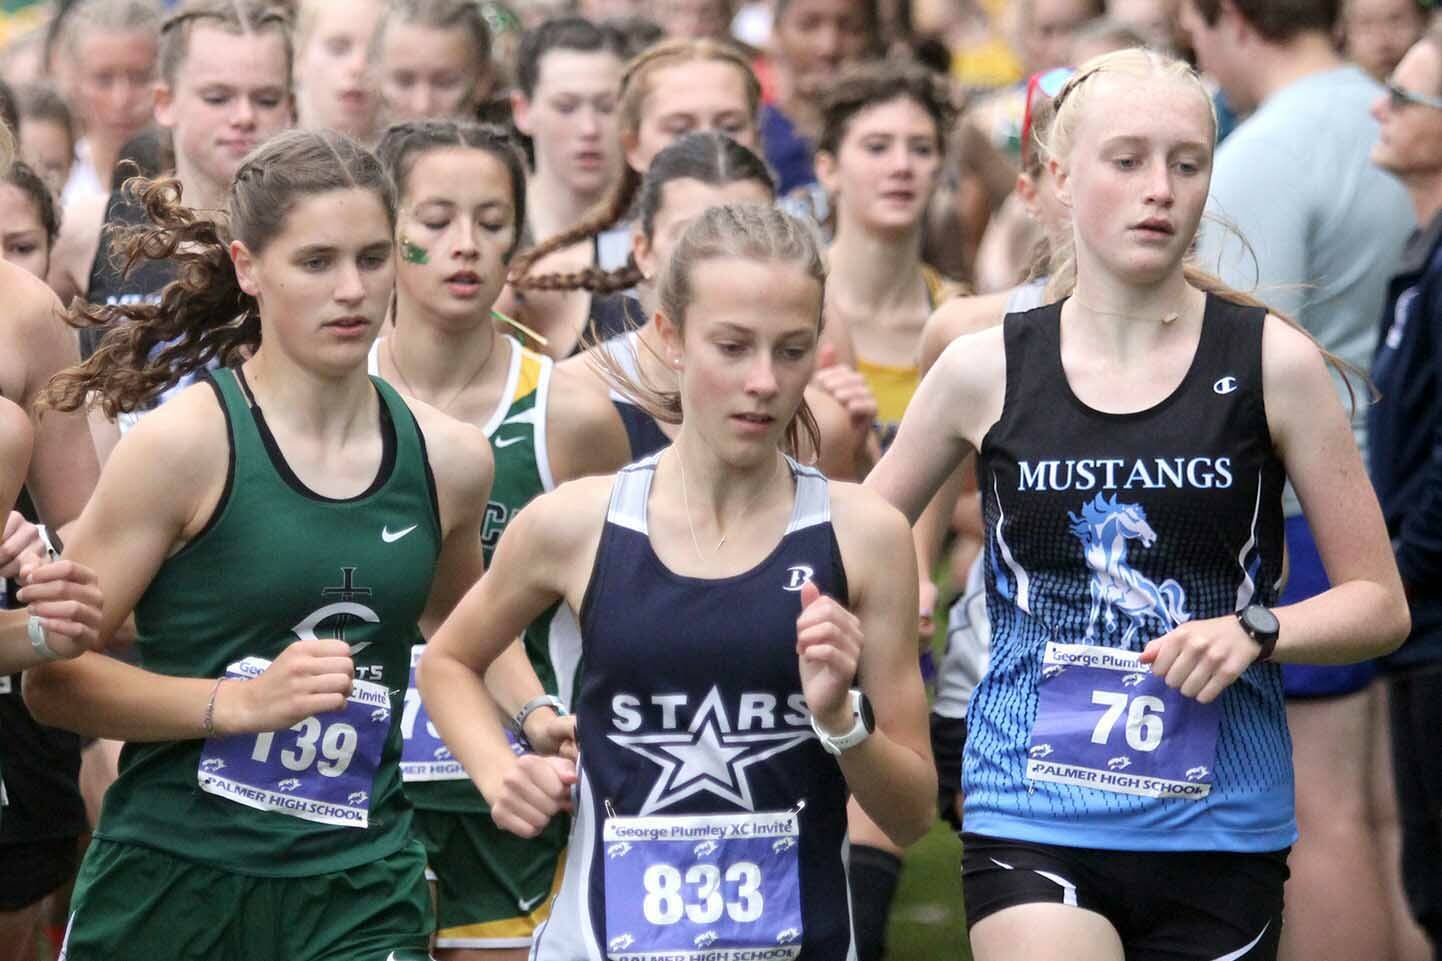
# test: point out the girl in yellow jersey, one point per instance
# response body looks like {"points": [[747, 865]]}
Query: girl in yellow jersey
{"points": [[879, 159]]}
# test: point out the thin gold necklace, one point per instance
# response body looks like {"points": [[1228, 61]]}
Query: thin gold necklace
{"points": [[686, 502], [1168, 318], [405, 381]]}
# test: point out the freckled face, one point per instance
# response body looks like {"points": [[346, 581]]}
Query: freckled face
{"points": [[1138, 174]]}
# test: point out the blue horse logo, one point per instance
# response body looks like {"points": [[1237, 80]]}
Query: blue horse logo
{"points": [[1104, 527]]}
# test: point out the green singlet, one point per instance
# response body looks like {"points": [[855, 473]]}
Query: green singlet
{"points": [[492, 888], [277, 563]]}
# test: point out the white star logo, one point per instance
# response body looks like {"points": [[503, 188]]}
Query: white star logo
{"points": [[707, 757]]}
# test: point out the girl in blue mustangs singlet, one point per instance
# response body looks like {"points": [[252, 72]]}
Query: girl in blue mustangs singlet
{"points": [[1127, 750], [748, 643]]}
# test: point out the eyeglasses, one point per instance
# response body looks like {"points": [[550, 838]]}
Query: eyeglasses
{"points": [[1399, 98], [1048, 85]]}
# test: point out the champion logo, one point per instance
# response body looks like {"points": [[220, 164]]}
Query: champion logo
{"points": [[507, 441], [797, 575], [1225, 385], [391, 538]]}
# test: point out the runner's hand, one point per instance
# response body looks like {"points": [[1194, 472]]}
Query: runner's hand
{"points": [[20, 543], [1201, 658], [308, 678], [532, 791], [552, 734], [828, 641], [66, 597], [845, 385]]}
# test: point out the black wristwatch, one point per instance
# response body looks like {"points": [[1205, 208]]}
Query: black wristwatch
{"points": [[1261, 626]]}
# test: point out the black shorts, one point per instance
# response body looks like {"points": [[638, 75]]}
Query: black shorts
{"points": [[34, 869], [1178, 906], [948, 742]]}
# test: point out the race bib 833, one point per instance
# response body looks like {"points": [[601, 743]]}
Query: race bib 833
{"points": [[721, 887]]}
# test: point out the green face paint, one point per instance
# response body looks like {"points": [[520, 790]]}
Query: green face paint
{"points": [[413, 253]]}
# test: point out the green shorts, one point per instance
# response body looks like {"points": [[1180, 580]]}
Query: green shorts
{"points": [[493, 889], [133, 903]]}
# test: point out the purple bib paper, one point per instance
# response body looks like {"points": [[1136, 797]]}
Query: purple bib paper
{"points": [[424, 756], [1105, 721], [321, 769], [723, 887]]}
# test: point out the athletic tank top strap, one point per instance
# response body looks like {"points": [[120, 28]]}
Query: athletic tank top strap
{"points": [[632, 491], [642, 431], [517, 431], [1027, 296]]}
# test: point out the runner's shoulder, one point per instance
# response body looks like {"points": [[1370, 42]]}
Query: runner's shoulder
{"points": [[958, 318]]}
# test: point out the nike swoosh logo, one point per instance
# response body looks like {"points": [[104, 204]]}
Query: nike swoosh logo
{"points": [[390, 538], [527, 905], [507, 441]]}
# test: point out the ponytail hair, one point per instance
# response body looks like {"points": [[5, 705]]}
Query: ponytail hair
{"points": [[636, 85], [1056, 144], [203, 316], [754, 232], [712, 158]]}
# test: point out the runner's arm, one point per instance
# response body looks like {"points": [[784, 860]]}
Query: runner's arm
{"points": [[463, 468], [1364, 613], [64, 469], [174, 464], [958, 399], [533, 567], [891, 773]]}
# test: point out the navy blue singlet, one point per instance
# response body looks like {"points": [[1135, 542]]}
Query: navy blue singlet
{"points": [[709, 822]]}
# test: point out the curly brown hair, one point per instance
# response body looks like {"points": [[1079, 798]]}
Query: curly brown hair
{"points": [[203, 316]]}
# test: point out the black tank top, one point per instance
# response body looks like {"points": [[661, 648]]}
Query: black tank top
{"points": [[1111, 530], [108, 285]]}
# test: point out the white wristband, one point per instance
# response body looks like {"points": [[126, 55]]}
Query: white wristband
{"points": [[37, 640]]}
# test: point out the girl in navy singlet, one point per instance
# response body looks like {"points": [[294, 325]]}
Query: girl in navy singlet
{"points": [[1127, 750], [696, 172], [730, 601]]}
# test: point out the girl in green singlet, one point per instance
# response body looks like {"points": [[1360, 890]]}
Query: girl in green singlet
{"points": [[461, 199], [302, 523]]}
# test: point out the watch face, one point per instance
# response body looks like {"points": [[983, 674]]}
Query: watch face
{"points": [[868, 719], [1261, 621]]}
